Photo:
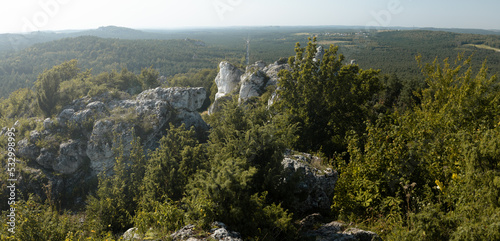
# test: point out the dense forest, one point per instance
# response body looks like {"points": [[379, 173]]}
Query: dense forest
{"points": [[391, 51], [413, 129]]}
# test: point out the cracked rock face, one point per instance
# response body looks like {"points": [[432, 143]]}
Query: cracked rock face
{"points": [[253, 84], [72, 156]]}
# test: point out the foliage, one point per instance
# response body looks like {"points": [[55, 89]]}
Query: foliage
{"points": [[21, 103], [162, 217], [149, 78], [170, 166], [117, 197], [325, 98], [36, 221], [421, 165], [47, 85], [245, 155]]}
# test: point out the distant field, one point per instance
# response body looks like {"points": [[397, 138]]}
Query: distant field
{"points": [[302, 34], [482, 46], [335, 42]]}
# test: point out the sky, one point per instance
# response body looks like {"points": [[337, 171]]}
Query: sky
{"points": [[43, 15]]}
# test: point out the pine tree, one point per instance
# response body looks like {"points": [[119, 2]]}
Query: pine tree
{"points": [[149, 78], [325, 98], [169, 167], [47, 85], [243, 181]]}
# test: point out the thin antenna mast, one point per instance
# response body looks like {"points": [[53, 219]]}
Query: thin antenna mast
{"points": [[248, 50]]}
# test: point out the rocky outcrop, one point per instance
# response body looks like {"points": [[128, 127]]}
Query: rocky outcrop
{"points": [[132, 234], [320, 52], [101, 124], [220, 232], [84, 138], [337, 231], [227, 80], [71, 157], [107, 136], [314, 187], [252, 82]]}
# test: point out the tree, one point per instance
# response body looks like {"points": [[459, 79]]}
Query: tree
{"points": [[325, 98], [149, 78], [431, 170], [169, 167], [47, 85], [118, 193], [243, 183], [112, 208]]}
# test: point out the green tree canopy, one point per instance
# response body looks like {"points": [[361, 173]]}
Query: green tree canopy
{"points": [[149, 78], [326, 98], [47, 85], [431, 169]]}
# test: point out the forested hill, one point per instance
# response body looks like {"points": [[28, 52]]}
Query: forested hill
{"points": [[391, 51], [395, 51], [169, 57], [16, 42]]}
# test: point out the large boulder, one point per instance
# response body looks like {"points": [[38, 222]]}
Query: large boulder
{"points": [[273, 70], [72, 156], [320, 52], [107, 136], [227, 81], [314, 186]]}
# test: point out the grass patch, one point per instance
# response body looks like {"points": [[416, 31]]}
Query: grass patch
{"points": [[302, 34], [483, 46], [334, 42]]}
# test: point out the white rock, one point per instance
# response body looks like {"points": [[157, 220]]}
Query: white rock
{"points": [[227, 80]]}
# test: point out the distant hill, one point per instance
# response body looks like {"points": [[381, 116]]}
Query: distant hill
{"points": [[464, 30], [179, 51], [16, 42], [20, 69], [119, 33]]}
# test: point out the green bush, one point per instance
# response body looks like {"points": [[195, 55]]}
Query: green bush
{"points": [[35, 221], [162, 217]]}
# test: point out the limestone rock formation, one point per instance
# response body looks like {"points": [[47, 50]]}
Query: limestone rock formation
{"points": [[71, 157], [227, 80], [102, 124], [252, 82], [84, 139], [320, 52]]}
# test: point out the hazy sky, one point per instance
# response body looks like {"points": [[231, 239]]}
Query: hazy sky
{"points": [[33, 15]]}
